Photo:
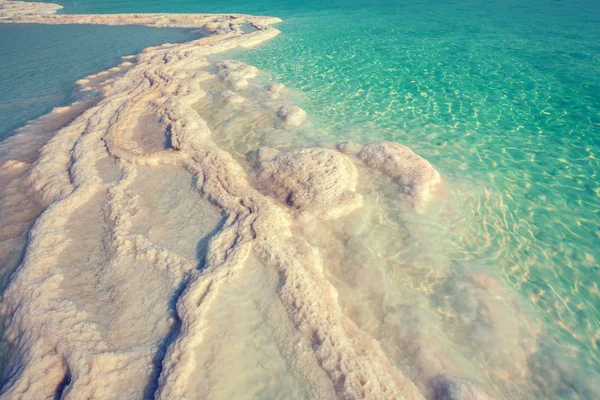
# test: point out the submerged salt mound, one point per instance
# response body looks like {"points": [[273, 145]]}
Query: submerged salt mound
{"points": [[446, 388], [416, 176], [275, 89], [235, 73], [291, 115], [318, 181], [230, 97]]}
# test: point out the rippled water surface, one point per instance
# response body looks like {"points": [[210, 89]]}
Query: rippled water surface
{"points": [[504, 99]]}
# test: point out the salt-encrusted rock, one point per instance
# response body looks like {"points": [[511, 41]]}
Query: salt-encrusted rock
{"points": [[415, 175], [260, 27], [349, 148], [235, 73], [219, 26], [230, 97], [275, 87], [447, 388], [265, 154], [317, 181], [291, 115]]}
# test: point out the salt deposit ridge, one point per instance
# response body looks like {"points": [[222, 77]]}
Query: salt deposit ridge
{"points": [[168, 236]]}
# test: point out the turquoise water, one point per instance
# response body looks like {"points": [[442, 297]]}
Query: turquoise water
{"points": [[503, 98], [41, 63]]}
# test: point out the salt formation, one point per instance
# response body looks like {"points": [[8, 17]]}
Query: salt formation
{"points": [[317, 181], [292, 115], [235, 73], [232, 97], [448, 389], [415, 175], [275, 87], [143, 234]]}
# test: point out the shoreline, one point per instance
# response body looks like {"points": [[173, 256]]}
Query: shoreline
{"points": [[87, 175]]}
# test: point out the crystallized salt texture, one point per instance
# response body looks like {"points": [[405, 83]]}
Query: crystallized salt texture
{"points": [[313, 180], [416, 177]]}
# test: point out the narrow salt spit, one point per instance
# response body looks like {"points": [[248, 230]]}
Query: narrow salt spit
{"points": [[167, 259]]}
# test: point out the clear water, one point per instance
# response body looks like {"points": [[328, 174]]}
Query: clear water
{"points": [[41, 63], [502, 97]]}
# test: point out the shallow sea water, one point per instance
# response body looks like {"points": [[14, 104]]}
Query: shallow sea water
{"points": [[504, 100]]}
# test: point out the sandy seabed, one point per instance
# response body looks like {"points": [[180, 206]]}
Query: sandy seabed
{"points": [[170, 236]]}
